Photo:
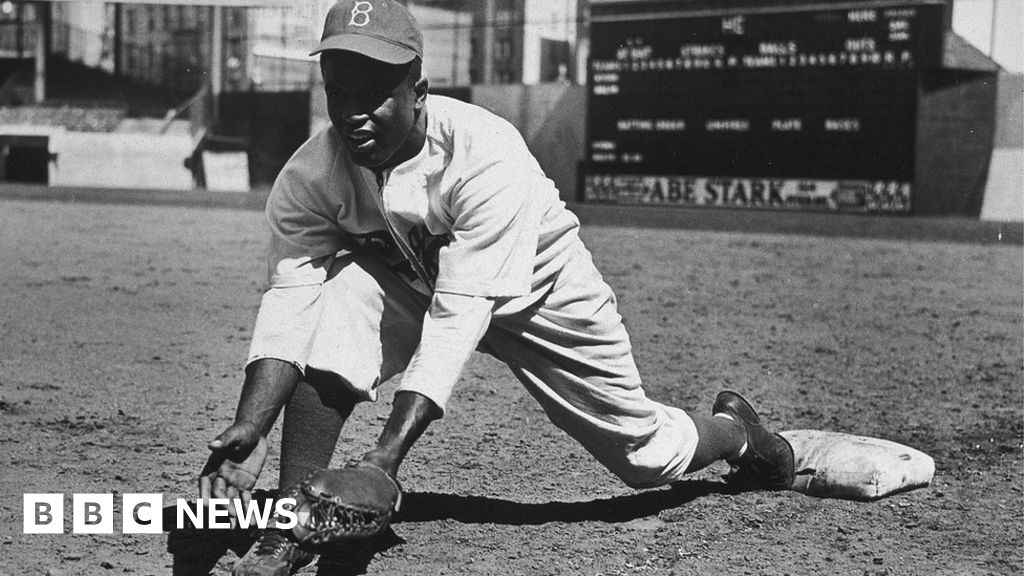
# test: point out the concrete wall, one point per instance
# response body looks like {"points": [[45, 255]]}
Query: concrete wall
{"points": [[956, 124], [552, 119], [272, 124], [1010, 111], [113, 160], [1004, 190]]}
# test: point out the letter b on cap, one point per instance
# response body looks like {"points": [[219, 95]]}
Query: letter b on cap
{"points": [[360, 14], [44, 514]]}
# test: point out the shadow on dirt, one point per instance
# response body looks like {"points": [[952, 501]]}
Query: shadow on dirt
{"points": [[200, 551], [429, 507]]}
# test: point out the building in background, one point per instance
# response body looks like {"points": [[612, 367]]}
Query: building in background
{"points": [[168, 46], [16, 34], [468, 42], [281, 39], [82, 32], [549, 37], [994, 27], [447, 43]]}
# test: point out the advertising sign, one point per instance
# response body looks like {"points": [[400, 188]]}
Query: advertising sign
{"points": [[836, 195]]}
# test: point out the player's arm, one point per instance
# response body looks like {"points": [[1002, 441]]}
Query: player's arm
{"points": [[277, 353], [411, 414], [303, 244], [452, 328], [238, 453], [269, 384]]}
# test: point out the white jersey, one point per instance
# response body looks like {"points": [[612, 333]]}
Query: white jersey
{"points": [[471, 215], [473, 212]]}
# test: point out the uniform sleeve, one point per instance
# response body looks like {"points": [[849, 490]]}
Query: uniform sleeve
{"points": [[303, 233], [304, 241], [494, 234], [452, 328], [285, 324]]}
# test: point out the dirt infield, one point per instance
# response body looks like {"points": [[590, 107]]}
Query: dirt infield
{"points": [[123, 329]]}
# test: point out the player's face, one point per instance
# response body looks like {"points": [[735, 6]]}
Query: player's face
{"points": [[375, 106]]}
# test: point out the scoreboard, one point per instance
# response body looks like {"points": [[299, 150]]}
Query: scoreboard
{"points": [[762, 108]]}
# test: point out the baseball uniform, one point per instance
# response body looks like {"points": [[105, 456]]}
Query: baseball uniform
{"points": [[465, 245]]}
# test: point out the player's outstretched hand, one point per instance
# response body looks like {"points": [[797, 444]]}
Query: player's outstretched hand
{"points": [[231, 470]]}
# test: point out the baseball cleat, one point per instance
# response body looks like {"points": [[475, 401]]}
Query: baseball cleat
{"points": [[275, 553], [768, 462]]}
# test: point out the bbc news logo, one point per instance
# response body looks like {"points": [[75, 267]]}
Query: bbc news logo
{"points": [[144, 513]]}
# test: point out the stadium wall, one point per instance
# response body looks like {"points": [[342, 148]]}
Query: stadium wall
{"points": [[118, 160], [1004, 188], [551, 119], [272, 126], [100, 159], [956, 124]]}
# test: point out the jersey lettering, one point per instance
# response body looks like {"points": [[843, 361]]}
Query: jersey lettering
{"points": [[427, 248], [360, 14]]}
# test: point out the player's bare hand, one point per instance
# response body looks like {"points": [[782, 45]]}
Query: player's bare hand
{"points": [[234, 465]]}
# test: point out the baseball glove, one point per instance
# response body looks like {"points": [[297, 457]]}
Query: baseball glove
{"points": [[348, 503]]}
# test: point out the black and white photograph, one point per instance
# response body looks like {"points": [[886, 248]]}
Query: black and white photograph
{"points": [[512, 287]]}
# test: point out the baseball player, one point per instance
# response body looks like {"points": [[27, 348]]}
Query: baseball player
{"points": [[412, 231]]}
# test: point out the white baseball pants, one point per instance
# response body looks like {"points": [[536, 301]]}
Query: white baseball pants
{"points": [[570, 351]]}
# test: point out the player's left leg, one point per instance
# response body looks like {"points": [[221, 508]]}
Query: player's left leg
{"points": [[574, 356], [717, 439], [644, 443]]}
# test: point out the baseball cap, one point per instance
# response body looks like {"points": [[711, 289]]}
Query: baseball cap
{"points": [[384, 30]]}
